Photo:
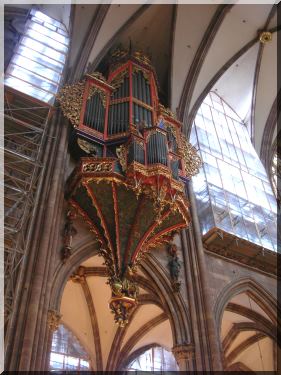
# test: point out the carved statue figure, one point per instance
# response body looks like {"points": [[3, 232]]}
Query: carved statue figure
{"points": [[174, 267], [68, 233]]}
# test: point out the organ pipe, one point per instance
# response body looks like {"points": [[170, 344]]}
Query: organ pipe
{"points": [[98, 116], [143, 99], [119, 120], [156, 149], [147, 86], [94, 116]]}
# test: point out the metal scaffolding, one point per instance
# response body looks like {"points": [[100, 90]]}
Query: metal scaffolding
{"points": [[25, 132]]}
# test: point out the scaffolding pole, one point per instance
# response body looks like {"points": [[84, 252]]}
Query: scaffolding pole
{"points": [[25, 134]]}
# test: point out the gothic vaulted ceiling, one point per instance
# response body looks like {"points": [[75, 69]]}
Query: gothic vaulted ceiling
{"points": [[194, 48], [91, 321]]}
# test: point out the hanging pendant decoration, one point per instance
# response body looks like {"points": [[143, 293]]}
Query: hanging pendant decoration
{"points": [[131, 191]]}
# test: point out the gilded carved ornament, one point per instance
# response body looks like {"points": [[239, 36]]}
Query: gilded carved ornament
{"points": [[162, 195], [191, 158], [136, 69], [154, 130], [119, 53], [99, 76], [167, 111], [265, 37], [79, 276], [183, 352], [124, 296], [119, 79], [88, 147], [95, 90], [97, 167], [160, 201], [170, 127], [141, 57], [121, 153], [109, 263], [70, 98], [53, 320]]}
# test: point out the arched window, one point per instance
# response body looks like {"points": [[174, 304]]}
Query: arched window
{"points": [[275, 173], [67, 353], [232, 189], [154, 359], [37, 64]]}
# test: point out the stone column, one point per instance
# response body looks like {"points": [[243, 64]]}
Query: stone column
{"points": [[277, 350], [194, 300], [56, 196], [213, 347], [184, 355], [45, 366], [38, 304], [29, 330]]}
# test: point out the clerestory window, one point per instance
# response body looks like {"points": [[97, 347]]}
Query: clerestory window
{"points": [[67, 353], [154, 359], [232, 190], [38, 62]]}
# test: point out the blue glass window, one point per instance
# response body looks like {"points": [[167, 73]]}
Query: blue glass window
{"points": [[67, 353], [154, 359], [232, 189], [37, 65]]}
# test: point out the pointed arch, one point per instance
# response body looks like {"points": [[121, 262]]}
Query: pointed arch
{"points": [[141, 332], [177, 311], [188, 120], [66, 345], [156, 277], [256, 291], [138, 352]]}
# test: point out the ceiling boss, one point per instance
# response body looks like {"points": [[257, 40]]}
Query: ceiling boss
{"points": [[132, 165]]}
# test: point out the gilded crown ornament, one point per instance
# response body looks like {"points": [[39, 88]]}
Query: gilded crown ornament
{"points": [[132, 166]]}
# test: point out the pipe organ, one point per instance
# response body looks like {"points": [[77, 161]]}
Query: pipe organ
{"points": [[127, 104], [133, 163]]}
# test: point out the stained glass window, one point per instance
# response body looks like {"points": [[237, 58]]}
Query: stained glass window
{"points": [[37, 65], [67, 353], [154, 359], [232, 190]]}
